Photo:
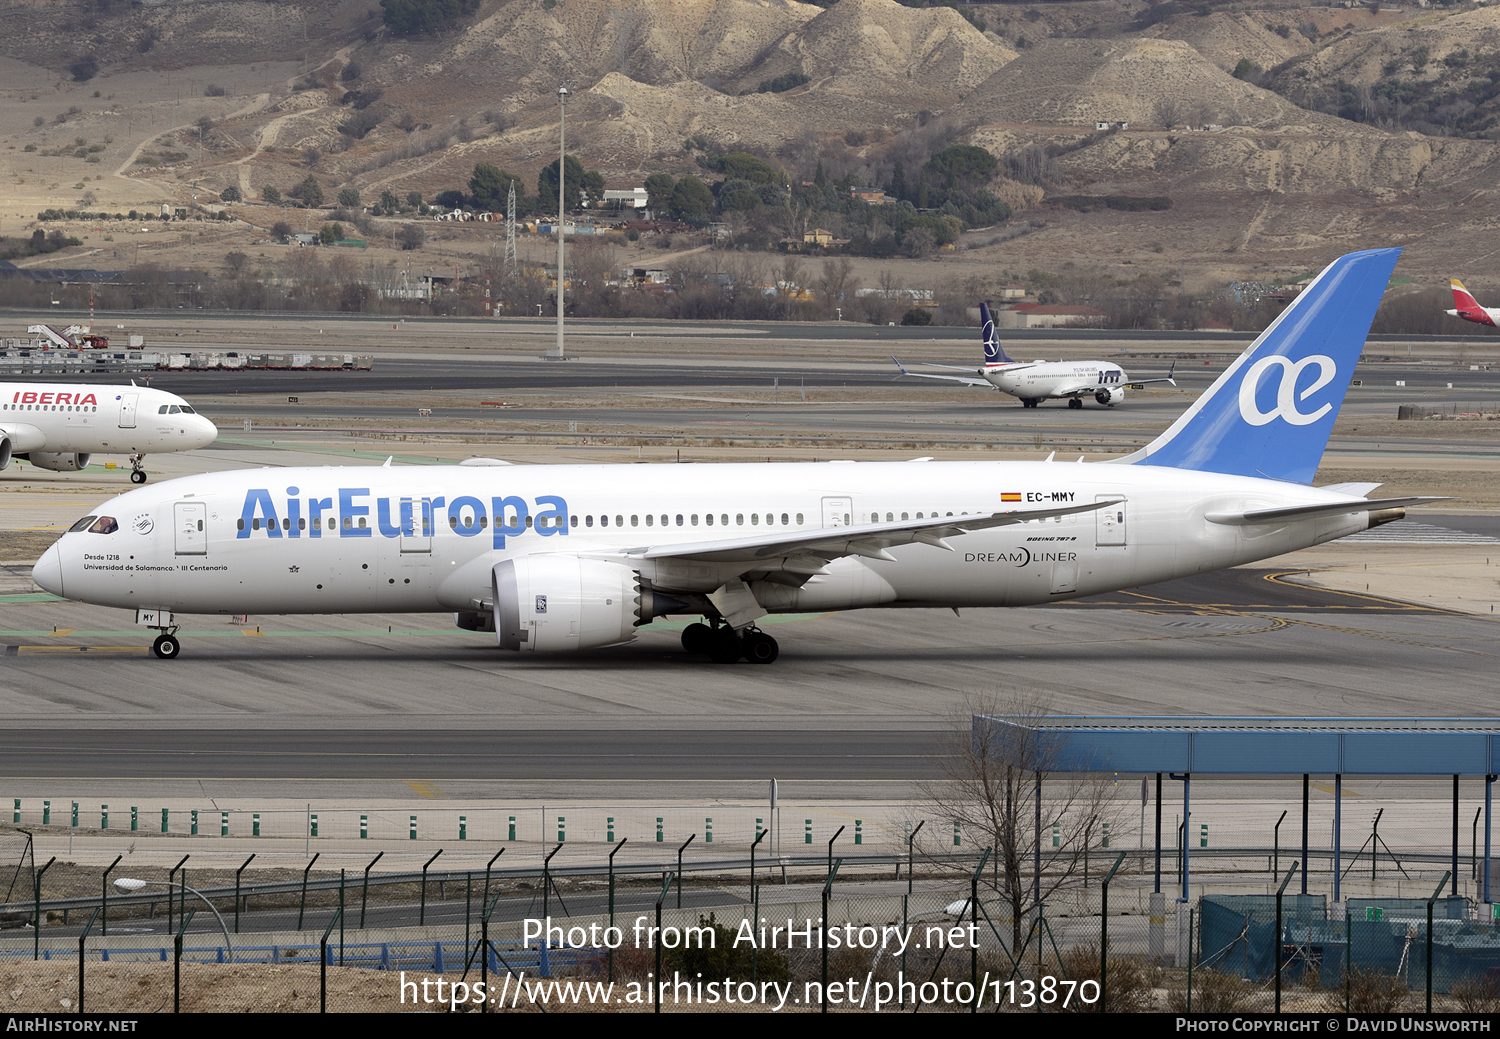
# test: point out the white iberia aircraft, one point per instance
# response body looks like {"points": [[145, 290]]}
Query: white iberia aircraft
{"points": [[1042, 380], [561, 558], [58, 427], [1468, 308]]}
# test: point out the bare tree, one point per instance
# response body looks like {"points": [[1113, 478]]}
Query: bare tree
{"points": [[1001, 784]]}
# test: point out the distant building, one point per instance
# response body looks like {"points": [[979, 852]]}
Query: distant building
{"points": [[817, 236], [628, 198], [874, 197], [1049, 315]]}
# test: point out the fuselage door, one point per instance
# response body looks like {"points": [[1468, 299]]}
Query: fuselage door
{"points": [[837, 512], [1109, 522], [191, 526], [416, 524], [127, 410]]}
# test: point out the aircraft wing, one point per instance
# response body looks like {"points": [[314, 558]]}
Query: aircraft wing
{"points": [[945, 378], [23, 437], [1301, 511], [1142, 383], [821, 544]]}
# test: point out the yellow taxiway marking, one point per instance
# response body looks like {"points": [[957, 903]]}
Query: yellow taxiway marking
{"points": [[257, 633], [60, 632], [1329, 790], [431, 791]]}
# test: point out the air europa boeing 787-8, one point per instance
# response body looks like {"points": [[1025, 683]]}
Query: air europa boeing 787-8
{"points": [[556, 559]]}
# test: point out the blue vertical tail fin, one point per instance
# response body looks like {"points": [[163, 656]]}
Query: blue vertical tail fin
{"points": [[994, 353], [1272, 411]]}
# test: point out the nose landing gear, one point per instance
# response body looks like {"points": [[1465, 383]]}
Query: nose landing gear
{"points": [[138, 472], [166, 646]]}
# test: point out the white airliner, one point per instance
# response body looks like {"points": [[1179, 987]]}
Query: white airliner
{"points": [[561, 558], [59, 426], [1041, 380], [1468, 308]]}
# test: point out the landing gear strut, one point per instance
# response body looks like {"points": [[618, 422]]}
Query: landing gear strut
{"points": [[721, 645], [138, 475]]}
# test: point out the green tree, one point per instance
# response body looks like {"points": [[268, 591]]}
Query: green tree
{"points": [[270, 195], [546, 184], [330, 233], [692, 200], [659, 188], [593, 187], [490, 186], [349, 197], [414, 199], [310, 192], [963, 162], [231, 194]]}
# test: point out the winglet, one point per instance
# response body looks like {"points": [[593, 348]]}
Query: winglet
{"points": [[900, 369], [1171, 372], [387, 463]]}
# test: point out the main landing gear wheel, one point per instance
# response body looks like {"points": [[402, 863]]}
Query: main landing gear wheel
{"points": [[759, 648], [137, 476], [725, 646], [1029, 402], [166, 646], [697, 639], [1074, 403]]}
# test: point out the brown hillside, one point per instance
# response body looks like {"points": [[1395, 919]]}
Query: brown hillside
{"points": [[1225, 38], [1145, 82], [1361, 58]]}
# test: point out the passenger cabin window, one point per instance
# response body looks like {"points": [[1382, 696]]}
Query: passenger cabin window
{"points": [[104, 525]]}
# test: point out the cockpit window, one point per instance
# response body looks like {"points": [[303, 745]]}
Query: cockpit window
{"points": [[173, 410], [162, 410], [188, 411], [82, 524], [104, 525]]}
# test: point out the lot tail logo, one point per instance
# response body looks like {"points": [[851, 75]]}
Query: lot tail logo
{"points": [[994, 353]]}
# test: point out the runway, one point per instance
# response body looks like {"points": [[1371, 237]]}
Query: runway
{"points": [[858, 702]]}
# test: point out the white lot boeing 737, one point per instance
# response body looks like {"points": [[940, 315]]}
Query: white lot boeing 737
{"points": [[1037, 381], [561, 558], [59, 426]]}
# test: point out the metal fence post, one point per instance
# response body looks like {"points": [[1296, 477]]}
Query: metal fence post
{"points": [[422, 914], [1435, 895], [974, 929], [1291, 871], [833, 871], [666, 884], [36, 920], [104, 894], [338, 918], [87, 928], [679, 864], [170, 874], [1104, 934], [303, 906], [547, 876], [237, 893], [364, 893], [754, 895], [187, 918], [615, 850], [910, 840]]}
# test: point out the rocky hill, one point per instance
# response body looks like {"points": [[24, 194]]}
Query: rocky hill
{"points": [[1294, 156]]}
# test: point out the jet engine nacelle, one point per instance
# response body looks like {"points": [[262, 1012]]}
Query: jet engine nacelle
{"points": [[57, 461], [1110, 395], [560, 603], [4, 452]]}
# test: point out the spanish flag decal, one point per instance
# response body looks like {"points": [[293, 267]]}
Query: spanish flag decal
{"points": [[1010, 496]]}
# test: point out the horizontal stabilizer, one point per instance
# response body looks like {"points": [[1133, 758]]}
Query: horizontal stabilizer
{"points": [[1304, 511]]}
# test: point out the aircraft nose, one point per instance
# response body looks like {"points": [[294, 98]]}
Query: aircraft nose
{"points": [[205, 433], [48, 571]]}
